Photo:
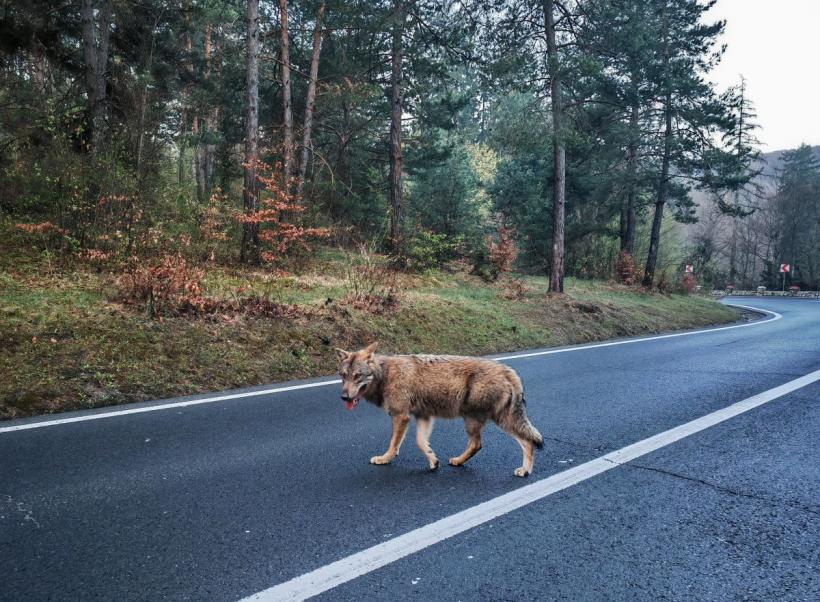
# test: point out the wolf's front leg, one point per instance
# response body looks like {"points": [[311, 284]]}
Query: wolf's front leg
{"points": [[400, 422], [424, 427]]}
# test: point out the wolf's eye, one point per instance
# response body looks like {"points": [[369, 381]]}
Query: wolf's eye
{"points": [[357, 375]]}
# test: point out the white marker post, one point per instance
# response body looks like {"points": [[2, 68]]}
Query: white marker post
{"points": [[784, 268]]}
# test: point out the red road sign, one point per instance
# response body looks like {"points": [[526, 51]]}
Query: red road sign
{"points": [[785, 267], [689, 269]]}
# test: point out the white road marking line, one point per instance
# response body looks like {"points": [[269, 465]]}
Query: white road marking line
{"points": [[164, 406], [194, 402], [368, 560]]}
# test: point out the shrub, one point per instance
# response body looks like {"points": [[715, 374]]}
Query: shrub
{"points": [[689, 283], [515, 289], [46, 233], [372, 284], [213, 226], [163, 285], [662, 284], [279, 208], [498, 256], [625, 268], [427, 250]]}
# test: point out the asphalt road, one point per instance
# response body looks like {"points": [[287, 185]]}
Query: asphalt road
{"points": [[224, 499]]}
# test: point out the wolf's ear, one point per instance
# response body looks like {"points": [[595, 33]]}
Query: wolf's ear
{"points": [[371, 348], [342, 354]]}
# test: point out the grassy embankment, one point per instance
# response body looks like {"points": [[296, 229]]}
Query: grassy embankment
{"points": [[66, 344]]}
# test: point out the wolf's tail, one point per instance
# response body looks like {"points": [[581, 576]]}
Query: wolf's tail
{"points": [[530, 433], [520, 423]]}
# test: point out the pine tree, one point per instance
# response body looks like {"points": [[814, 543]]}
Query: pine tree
{"points": [[692, 121], [798, 207]]}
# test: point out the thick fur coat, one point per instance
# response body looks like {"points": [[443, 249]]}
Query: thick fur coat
{"points": [[439, 386]]}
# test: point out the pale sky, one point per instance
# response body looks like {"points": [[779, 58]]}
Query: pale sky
{"points": [[776, 46]]}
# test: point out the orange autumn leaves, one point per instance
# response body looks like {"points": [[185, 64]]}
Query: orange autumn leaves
{"points": [[279, 207]]}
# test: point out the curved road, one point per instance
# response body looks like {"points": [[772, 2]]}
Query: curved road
{"points": [[221, 499]]}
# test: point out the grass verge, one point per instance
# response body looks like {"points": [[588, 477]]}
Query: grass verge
{"points": [[64, 344]]}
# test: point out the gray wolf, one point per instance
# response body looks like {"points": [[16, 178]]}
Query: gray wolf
{"points": [[439, 386]]}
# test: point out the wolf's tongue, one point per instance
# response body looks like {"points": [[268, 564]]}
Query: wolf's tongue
{"points": [[352, 403]]}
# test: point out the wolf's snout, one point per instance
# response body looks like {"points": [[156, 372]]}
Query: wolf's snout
{"points": [[350, 401]]}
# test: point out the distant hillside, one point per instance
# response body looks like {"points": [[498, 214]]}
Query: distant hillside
{"points": [[773, 161], [770, 163]]}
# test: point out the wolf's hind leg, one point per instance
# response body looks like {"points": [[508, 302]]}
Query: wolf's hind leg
{"points": [[473, 427], [515, 422], [527, 447], [424, 427], [400, 422]]}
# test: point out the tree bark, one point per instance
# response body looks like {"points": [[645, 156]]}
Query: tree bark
{"points": [[733, 253], [102, 57], [250, 231], [663, 183], [143, 105], [207, 151], [183, 130], [628, 214], [310, 100], [205, 126], [89, 47], [660, 203], [558, 153], [188, 68], [38, 66], [198, 172], [287, 142], [396, 202], [95, 58]]}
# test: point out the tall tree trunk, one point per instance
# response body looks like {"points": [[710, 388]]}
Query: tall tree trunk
{"points": [[250, 231], [396, 204], [205, 126], [188, 67], [215, 67], [628, 212], [143, 103], [558, 153], [206, 149], [38, 66], [287, 142], [733, 253], [183, 131], [311, 99], [663, 183], [198, 171], [102, 62], [95, 58], [660, 203], [90, 66]]}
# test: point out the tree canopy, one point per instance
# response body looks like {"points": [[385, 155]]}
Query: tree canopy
{"points": [[582, 127]]}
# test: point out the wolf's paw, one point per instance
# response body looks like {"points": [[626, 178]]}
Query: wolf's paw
{"points": [[455, 462], [434, 464], [521, 472], [380, 460]]}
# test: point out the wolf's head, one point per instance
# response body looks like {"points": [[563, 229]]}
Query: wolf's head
{"points": [[358, 372]]}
